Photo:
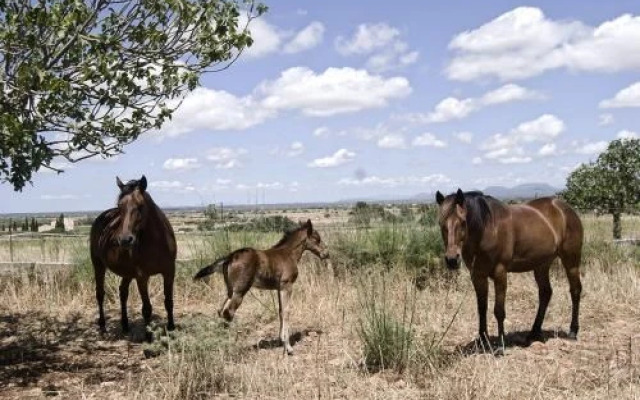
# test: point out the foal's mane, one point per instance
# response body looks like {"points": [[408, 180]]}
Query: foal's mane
{"points": [[288, 235]]}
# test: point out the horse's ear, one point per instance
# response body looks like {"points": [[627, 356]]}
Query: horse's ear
{"points": [[142, 184], [460, 197], [119, 182], [439, 198], [309, 227]]}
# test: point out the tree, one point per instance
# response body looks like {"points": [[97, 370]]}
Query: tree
{"points": [[80, 79], [59, 226], [34, 225], [611, 184]]}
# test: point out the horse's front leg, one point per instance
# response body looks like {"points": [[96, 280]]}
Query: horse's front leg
{"points": [[168, 279], [284, 294], [500, 286], [143, 289], [481, 286], [124, 296], [99, 273]]}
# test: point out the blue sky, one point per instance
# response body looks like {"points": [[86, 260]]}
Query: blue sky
{"points": [[341, 99]]}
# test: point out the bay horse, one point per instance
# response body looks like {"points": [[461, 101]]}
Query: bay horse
{"points": [[494, 238], [272, 269], [135, 241]]}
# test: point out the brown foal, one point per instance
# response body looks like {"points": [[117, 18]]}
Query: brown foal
{"points": [[494, 238], [134, 240], [272, 269]]}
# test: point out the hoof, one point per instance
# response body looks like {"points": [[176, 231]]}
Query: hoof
{"points": [[171, 326], [288, 351], [573, 336], [499, 352], [148, 336]]}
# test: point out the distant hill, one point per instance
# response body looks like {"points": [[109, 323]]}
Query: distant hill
{"points": [[524, 191]]}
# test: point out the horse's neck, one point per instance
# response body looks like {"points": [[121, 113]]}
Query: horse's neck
{"points": [[295, 246]]}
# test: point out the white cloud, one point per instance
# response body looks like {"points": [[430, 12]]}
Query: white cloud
{"points": [[226, 157], [625, 134], [523, 42], [428, 139], [627, 97], [476, 161], [172, 186], [432, 180], [267, 38], [293, 150], [334, 91], [452, 108], [59, 197], [507, 148], [181, 164], [548, 149], [340, 157], [381, 43], [464, 137], [321, 132], [393, 141], [605, 119], [306, 39], [213, 110], [591, 148]]}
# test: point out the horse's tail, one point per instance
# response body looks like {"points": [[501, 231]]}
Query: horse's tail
{"points": [[211, 268]]}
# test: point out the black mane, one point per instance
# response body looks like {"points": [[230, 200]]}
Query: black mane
{"points": [[480, 209]]}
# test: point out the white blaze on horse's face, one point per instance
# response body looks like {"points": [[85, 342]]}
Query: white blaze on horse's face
{"points": [[132, 211], [453, 227]]}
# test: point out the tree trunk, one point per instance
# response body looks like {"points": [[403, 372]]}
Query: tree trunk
{"points": [[617, 227]]}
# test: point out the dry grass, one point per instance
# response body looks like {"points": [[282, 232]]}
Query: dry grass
{"points": [[49, 341]]}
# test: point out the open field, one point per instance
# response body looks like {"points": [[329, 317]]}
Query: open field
{"points": [[49, 343]]}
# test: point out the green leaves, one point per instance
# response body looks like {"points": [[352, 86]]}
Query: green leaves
{"points": [[85, 78], [611, 184]]}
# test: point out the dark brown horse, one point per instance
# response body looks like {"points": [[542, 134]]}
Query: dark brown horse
{"points": [[494, 238], [272, 269], [134, 240]]}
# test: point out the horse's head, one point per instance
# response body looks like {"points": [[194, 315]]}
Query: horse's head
{"points": [[453, 226], [313, 241], [133, 210]]}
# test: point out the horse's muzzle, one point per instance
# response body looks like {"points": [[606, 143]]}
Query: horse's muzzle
{"points": [[452, 262], [126, 240]]}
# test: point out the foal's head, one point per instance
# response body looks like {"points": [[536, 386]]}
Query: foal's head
{"points": [[133, 210], [453, 226], [313, 241]]}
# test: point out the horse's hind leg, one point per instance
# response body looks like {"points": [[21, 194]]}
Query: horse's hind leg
{"points": [[99, 271], [571, 265], [143, 289], [544, 296], [124, 296], [168, 298]]}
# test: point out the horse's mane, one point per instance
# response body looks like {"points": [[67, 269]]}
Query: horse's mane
{"points": [[478, 210], [288, 235], [481, 209]]}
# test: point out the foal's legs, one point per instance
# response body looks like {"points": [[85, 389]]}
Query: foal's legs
{"points": [[571, 265], [99, 272], [284, 294], [167, 280], [124, 296], [143, 289], [544, 296]]}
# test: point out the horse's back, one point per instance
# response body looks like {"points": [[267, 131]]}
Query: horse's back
{"points": [[565, 221]]}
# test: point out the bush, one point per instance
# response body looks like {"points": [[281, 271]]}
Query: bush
{"points": [[387, 341]]}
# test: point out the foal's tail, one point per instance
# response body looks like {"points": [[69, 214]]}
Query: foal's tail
{"points": [[211, 268]]}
